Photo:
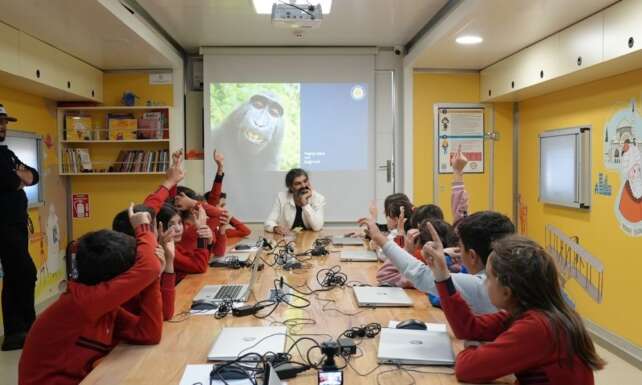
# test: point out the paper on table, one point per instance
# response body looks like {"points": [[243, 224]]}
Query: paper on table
{"points": [[431, 327], [195, 374]]}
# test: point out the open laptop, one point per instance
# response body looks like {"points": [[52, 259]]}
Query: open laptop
{"points": [[234, 341], [415, 347], [347, 241], [373, 296], [358, 256], [236, 292]]}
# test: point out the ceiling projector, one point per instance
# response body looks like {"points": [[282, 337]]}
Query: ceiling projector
{"points": [[296, 16]]}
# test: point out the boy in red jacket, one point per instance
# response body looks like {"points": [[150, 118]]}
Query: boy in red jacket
{"points": [[166, 247], [88, 320]]}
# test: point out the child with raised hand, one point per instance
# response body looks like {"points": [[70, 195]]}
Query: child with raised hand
{"points": [[88, 319], [535, 335], [165, 248], [191, 254], [476, 234], [234, 228]]}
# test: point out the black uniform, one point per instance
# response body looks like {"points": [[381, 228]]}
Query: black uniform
{"points": [[19, 281]]}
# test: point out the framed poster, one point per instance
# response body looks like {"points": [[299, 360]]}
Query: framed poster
{"points": [[460, 127]]}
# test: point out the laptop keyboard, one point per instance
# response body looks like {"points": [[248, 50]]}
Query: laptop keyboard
{"points": [[228, 291]]}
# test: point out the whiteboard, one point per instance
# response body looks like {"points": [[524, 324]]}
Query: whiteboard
{"points": [[564, 167], [27, 147]]}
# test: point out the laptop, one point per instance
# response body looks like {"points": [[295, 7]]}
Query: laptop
{"points": [[235, 292], [234, 341], [415, 347], [347, 241], [373, 296], [358, 256]]}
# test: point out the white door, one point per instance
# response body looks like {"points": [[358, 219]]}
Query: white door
{"points": [[385, 140]]}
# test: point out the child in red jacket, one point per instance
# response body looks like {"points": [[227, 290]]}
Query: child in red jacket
{"points": [[535, 336], [88, 319], [166, 247], [234, 228]]}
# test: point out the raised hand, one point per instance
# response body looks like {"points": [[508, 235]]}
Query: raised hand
{"points": [[372, 210], [166, 240], [459, 162], [373, 231], [410, 240], [433, 251], [175, 172], [401, 222], [218, 159], [137, 219], [200, 217]]}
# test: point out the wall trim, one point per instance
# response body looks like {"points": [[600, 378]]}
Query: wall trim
{"points": [[615, 344]]}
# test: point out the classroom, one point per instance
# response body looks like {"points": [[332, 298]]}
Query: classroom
{"points": [[320, 192]]}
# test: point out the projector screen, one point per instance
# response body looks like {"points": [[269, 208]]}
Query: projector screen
{"points": [[267, 117]]}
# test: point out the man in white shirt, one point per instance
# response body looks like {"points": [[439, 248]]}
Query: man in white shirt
{"points": [[300, 206]]}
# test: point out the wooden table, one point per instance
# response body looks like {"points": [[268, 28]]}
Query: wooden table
{"points": [[189, 341]]}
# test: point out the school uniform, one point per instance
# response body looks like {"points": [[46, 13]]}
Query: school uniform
{"points": [[523, 346], [239, 229], [88, 321]]}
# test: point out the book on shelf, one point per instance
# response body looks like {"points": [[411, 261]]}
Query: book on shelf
{"points": [[122, 126], [140, 161], [150, 126], [76, 160], [77, 126]]}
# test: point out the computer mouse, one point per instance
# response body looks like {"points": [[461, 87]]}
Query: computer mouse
{"points": [[412, 324], [203, 305], [228, 372]]}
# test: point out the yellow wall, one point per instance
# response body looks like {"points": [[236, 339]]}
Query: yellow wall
{"points": [[597, 229], [432, 88], [115, 83], [110, 194], [38, 115]]}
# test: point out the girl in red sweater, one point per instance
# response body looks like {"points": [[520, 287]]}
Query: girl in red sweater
{"points": [[536, 336]]}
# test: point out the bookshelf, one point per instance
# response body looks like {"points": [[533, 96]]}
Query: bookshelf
{"points": [[113, 140]]}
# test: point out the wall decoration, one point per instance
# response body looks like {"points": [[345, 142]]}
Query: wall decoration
{"points": [[602, 187], [461, 128], [622, 148], [575, 262], [80, 205]]}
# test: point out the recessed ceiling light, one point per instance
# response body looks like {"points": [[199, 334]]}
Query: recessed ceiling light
{"points": [[264, 7], [469, 39]]}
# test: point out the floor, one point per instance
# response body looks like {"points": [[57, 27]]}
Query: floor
{"points": [[617, 372]]}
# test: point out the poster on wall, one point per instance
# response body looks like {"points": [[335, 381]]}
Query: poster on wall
{"points": [[80, 205], [621, 152], [461, 127]]}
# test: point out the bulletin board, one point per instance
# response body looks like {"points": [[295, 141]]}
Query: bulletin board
{"points": [[463, 127]]}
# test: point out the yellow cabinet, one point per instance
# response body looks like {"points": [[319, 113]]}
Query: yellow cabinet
{"points": [[41, 62], [538, 63], [622, 28], [581, 45], [9, 51]]}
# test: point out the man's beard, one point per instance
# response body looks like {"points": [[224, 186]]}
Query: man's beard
{"points": [[636, 186]]}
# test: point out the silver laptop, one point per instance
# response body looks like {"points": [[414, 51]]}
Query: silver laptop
{"points": [[374, 296], [415, 347], [358, 256], [347, 241], [235, 341], [235, 292]]}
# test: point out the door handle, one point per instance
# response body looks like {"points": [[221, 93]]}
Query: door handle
{"points": [[388, 168]]}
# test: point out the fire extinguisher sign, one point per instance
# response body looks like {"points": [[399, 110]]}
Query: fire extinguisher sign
{"points": [[80, 205]]}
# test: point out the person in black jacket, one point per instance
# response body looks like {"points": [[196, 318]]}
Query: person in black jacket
{"points": [[19, 281]]}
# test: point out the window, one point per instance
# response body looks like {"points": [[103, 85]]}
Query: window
{"points": [[27, 147]]}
